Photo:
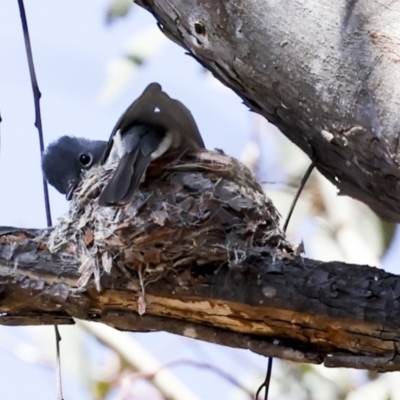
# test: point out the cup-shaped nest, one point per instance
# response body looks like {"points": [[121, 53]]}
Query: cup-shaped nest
{"points": [[204, 209]]}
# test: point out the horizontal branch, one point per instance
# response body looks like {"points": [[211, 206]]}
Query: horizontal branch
{"points": [[332, 88], [296, 309]]}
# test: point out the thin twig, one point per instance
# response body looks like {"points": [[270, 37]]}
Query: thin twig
{"points": [[38, 123], [304, 180], [36, 99], [267, 380], [58, 369], [299, 190]]}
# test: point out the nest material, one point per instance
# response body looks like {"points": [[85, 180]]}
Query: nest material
{"points": [[205, 208]]}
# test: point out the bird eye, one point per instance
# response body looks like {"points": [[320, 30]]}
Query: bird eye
{"points": [[85, 160]]}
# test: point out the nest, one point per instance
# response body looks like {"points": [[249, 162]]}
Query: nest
{"points": [[204, 209]]}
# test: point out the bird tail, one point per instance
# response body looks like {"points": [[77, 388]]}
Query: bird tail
{"points": [[126, 179]]}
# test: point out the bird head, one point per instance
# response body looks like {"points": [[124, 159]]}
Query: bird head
{"points": [[65, 159]]}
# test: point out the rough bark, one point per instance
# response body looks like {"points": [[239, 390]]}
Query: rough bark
{"points": [[199, 252], [326, 73], [296, 309]]}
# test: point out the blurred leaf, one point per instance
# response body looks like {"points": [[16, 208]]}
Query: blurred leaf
{"points": [[136, 59], [101, 389], [388, 229], [118, 9]]}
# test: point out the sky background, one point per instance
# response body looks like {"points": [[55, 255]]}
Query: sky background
{"points": [[74, 51]]}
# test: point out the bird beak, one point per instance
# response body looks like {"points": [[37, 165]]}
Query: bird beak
{"points": [[71, 188]]}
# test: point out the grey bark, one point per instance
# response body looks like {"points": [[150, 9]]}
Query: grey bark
{"points": [[326, 73]]}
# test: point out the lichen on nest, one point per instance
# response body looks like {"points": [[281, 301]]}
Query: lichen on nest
{"points": [[205, 208]]}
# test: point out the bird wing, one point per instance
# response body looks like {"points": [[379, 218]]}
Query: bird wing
{"points": [[154, 107], [123, 184]]}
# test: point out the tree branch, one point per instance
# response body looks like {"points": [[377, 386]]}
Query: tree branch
{"points": [[199, 253], [332, 87], [296, 309]]}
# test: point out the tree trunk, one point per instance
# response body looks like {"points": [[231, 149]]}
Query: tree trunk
{"points": [[326, 73]]}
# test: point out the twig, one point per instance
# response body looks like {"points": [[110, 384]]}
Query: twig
{"points": [[299, 190], [58, 363], [304, 180], [266, 381], [36, 98], [38, 123]]}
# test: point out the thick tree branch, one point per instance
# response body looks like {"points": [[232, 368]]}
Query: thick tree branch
{"points": [[296, 309], [199, 252], [326, 73]]}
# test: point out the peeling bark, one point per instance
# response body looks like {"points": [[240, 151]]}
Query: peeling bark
{"points": [[325, 73]]}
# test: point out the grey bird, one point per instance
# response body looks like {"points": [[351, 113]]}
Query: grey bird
{"points": [[66, 158], [153, 125]]}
